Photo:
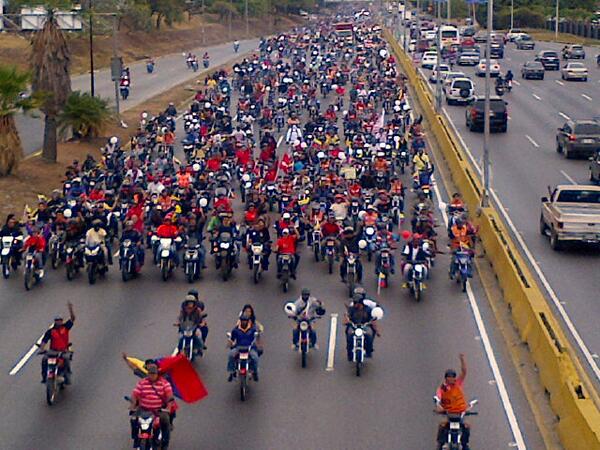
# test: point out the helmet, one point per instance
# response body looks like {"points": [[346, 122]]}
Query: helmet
{"points": [[377, 313], [245, 177], [285, 231], [290, 309], [450, 373], [203, 202], [67, 213], [362, 244], [286, 216], [113, 140]]}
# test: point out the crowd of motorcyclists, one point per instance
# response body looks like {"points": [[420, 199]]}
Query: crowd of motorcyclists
{"points": [[333, 182]]}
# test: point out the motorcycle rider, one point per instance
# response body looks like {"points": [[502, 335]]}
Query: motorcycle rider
{"points": [[349, 244], [243, 335], [169, 230], [192, 310], [509, 78], [358, 313], [308, 307], [452, 400], [259, 234], [97, 236], [12, 228], [36, 241], [136, 239], [57, 337], [412, 252], [153, 393], [287, 245]]}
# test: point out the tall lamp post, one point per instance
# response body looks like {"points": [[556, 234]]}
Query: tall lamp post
{"points": [[438, 76], [92, 81], [556, 23], [485, 196], [512, 14]]}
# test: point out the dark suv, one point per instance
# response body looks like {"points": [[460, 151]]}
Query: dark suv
{"points": [[549, 59], [474, 114], [578, 137]]}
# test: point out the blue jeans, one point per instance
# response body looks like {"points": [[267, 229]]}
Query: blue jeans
{"points": [[233, 354], [296, 337]]}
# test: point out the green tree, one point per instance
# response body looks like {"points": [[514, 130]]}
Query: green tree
{"points": [[170, 11], [12, 101], [50, 61], [84, 115]]}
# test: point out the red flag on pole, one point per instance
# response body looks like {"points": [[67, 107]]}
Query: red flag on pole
{"points": [[184, 378]]}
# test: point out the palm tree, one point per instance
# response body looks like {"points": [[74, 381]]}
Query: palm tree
{"points": [[50, 59], [13, 83], [85, 115]]}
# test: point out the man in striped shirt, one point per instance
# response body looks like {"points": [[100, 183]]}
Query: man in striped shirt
{"points": [[154, 393]]}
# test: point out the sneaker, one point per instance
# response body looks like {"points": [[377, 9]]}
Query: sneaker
{"points": [[43, 381], [294, 346], [230, 377], [293, 276], [255, 376]]}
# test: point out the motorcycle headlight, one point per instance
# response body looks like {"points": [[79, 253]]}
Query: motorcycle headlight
{"points": [[303, 325], [359, 332], [224, 245]]}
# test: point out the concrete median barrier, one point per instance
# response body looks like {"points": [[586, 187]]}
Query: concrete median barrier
{"points": [[578, 414]]}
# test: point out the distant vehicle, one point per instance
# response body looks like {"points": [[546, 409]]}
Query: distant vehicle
{"points": [[474, 114], [573, 52], [524, 42], [549, 59], [444, 69], [532, 69], [496, 50], [429, 60], [450, 35], [468, 58], [578, 137], [513, 34], [574, 71], [480, 36], [451, 76], [481, 68], [345, 30], [571, 214], [460, 90], [595, 167], [468, 32], [468, 43]]}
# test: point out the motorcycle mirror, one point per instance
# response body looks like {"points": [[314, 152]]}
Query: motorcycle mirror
{"points": [[436, 399], [474, 402]]}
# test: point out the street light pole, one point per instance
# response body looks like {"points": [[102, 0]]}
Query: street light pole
{"points": [[512, 14], [448, 12], [247, 25], [486, 120], [203, 25], [92, 81], [556, 23], [438, 75], [114, 56]]}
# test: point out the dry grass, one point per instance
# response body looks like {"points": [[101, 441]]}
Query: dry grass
{"points": [[137, 45]]}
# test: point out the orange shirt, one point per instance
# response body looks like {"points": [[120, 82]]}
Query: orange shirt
{"points": [[453, 397]]}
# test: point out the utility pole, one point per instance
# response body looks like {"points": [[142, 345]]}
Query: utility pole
{"points": [[92, 81], [247, 25], [485, 197], [512, 14], [203, 25], [448, 14], [556, 23], [230, 8], [114, 56], [438, 74]]}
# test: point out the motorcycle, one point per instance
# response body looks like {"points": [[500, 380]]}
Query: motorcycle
{"points": [[95, 264], [128, 260], [455, 427], [403, 160], [124, 91], [285, 264], [32, 273], [316, 243], [55, 374], [500, 89], [305, 332], [56, 246], [150, 66], [462, 268], [359, 345], [330, 253], [370, 238], [191, 345], [191, 262], [236, 47], [383, 268], [205, 63], [243, 369], [224, 254], [149, 435], [74, 259], [397, 207], [164, 254], [417, 283], [257, 256], [351, 272], [271, 195], [8, 247]]}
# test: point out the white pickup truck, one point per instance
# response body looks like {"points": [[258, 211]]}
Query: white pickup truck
{"points": [[571, 213]]}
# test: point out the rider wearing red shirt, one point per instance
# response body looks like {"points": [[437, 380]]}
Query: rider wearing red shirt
{"points": [[286, 245], [58, 337]]}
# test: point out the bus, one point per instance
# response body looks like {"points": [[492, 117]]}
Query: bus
{"points": [[450, 36], [345, 30]]}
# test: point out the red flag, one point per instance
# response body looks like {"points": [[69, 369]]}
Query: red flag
{"points": [[286, 163], [271, 174], [184, 378]]}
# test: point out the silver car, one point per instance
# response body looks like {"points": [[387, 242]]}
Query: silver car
{"points": [[574, 71]]}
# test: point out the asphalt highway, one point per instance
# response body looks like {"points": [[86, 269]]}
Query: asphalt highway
{"points": [[169, 71], [525, 163], [389, 407]]}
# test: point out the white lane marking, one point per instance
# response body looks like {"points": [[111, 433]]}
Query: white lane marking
{"points": [[587, 97], [279, 140], [559, 82], [571, 180], [19, 365], [489, 351], [535, 144], [516, 83], [537, 97], [332, 337], [563, 115], [553, 296]]}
